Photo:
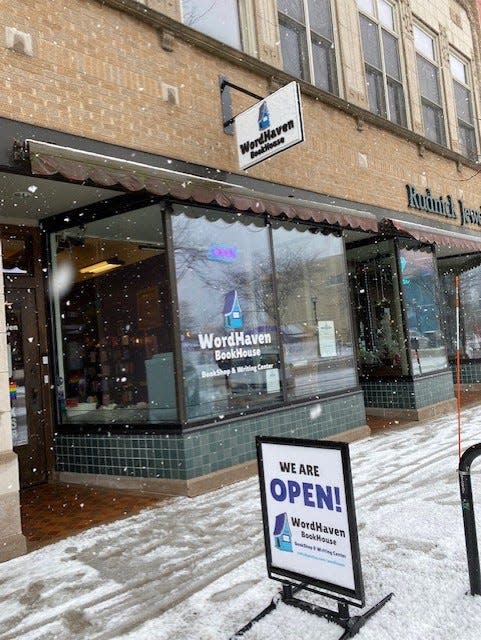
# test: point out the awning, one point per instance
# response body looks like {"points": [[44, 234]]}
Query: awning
{"points": [[431, 235], [81, 166]]}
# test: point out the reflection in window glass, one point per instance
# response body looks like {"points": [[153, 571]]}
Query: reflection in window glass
{"points": [[112, 310], [227, 315], [382, 64], [464, 108], [307, 41], [470, 311], [312, 302], [380, 341], [420, 295], [216, 18], [16, 256]]}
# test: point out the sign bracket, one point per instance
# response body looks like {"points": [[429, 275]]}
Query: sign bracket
{"points": [[228, 118]]}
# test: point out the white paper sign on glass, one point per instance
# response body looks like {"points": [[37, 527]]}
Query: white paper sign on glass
{"points": [[270, 126], [310, 527]]}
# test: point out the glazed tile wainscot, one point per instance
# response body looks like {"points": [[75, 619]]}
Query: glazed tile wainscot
{"points": [[204, 458], [411, 398]]}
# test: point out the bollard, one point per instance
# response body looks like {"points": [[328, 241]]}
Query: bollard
{"points": [[468, 517]]}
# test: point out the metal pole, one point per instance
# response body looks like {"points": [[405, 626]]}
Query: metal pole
{"points": [[458, 362], [468, 517]]}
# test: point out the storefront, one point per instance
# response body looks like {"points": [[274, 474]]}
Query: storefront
{"points": [[187, 315], [180, 330]]}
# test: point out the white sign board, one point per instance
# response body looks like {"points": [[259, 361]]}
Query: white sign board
{"points": [[270, 126], [327, 338], [309, 520]]}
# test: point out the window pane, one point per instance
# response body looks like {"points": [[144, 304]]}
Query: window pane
{"points": [[386, 16], [424, 43], [397, 112], [370, 42], [292, 8], [391, 55], [320, 17], [366, 5], [467, 140], [433, 123], [462, 97], [324, 66], [114, 320], [458, 69], [294, 50], [216, 18], [428, 80], [375, 91], [380, 341], [16, 256], [420, 294], [313, 306], [227, 315]]}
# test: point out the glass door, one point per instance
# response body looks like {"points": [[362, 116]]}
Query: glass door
{"points": [[25, 385]]}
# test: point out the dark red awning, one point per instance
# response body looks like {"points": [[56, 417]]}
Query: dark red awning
{"points": [[80, 166], [431, 235]]}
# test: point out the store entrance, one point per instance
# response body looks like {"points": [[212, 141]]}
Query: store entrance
{"points": [[25, 385]]}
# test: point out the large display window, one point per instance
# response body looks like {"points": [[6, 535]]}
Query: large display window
{"points": [[110, 293], [227, 313], [312, 297], [395, 295], [469, 312], [187, 315], [419, 281]]}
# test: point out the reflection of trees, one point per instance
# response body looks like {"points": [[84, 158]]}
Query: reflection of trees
{"points": [[193, 13]]}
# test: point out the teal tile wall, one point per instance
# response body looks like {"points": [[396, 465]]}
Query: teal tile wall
{"points": [[470, 372], [409, 394], [196, 453]]}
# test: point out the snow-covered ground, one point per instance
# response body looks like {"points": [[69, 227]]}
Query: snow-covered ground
{"points": [[194, 569]]}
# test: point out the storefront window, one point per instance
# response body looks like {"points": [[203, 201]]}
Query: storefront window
{"points": [[227, 313], [469, 313], [377, 308], [314, 311], [420, 294], [112, 309]]}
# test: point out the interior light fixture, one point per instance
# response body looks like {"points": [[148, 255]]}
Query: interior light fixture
{"points": [[103, 265]]}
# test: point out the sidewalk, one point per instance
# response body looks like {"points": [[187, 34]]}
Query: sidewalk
{"points": [[194, 569]]}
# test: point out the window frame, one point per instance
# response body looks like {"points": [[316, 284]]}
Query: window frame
{"points": [[461, 123], [439, 110], [306, 55], [384, 101]]}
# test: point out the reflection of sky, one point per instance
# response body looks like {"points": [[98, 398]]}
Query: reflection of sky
{"points": [[216, 18]]}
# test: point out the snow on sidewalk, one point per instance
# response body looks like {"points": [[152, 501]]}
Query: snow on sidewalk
{"points": [[194, 569]]}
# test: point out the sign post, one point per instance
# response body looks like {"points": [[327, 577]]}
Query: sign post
{"points": [[310, 528]]}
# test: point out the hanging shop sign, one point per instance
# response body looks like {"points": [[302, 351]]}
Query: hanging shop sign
{"points": [[442, 206], [270, 126], [308, 512]]}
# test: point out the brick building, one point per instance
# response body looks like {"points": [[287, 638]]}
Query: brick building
{"points": [[162, 305]]}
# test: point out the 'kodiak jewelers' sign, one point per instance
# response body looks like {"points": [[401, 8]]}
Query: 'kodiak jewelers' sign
{"points": [[441, 205]]}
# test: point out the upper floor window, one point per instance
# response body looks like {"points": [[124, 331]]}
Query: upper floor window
{"points": [[464, 106], [429, 86], [216, 18], [307, 41], [381, 59]]}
